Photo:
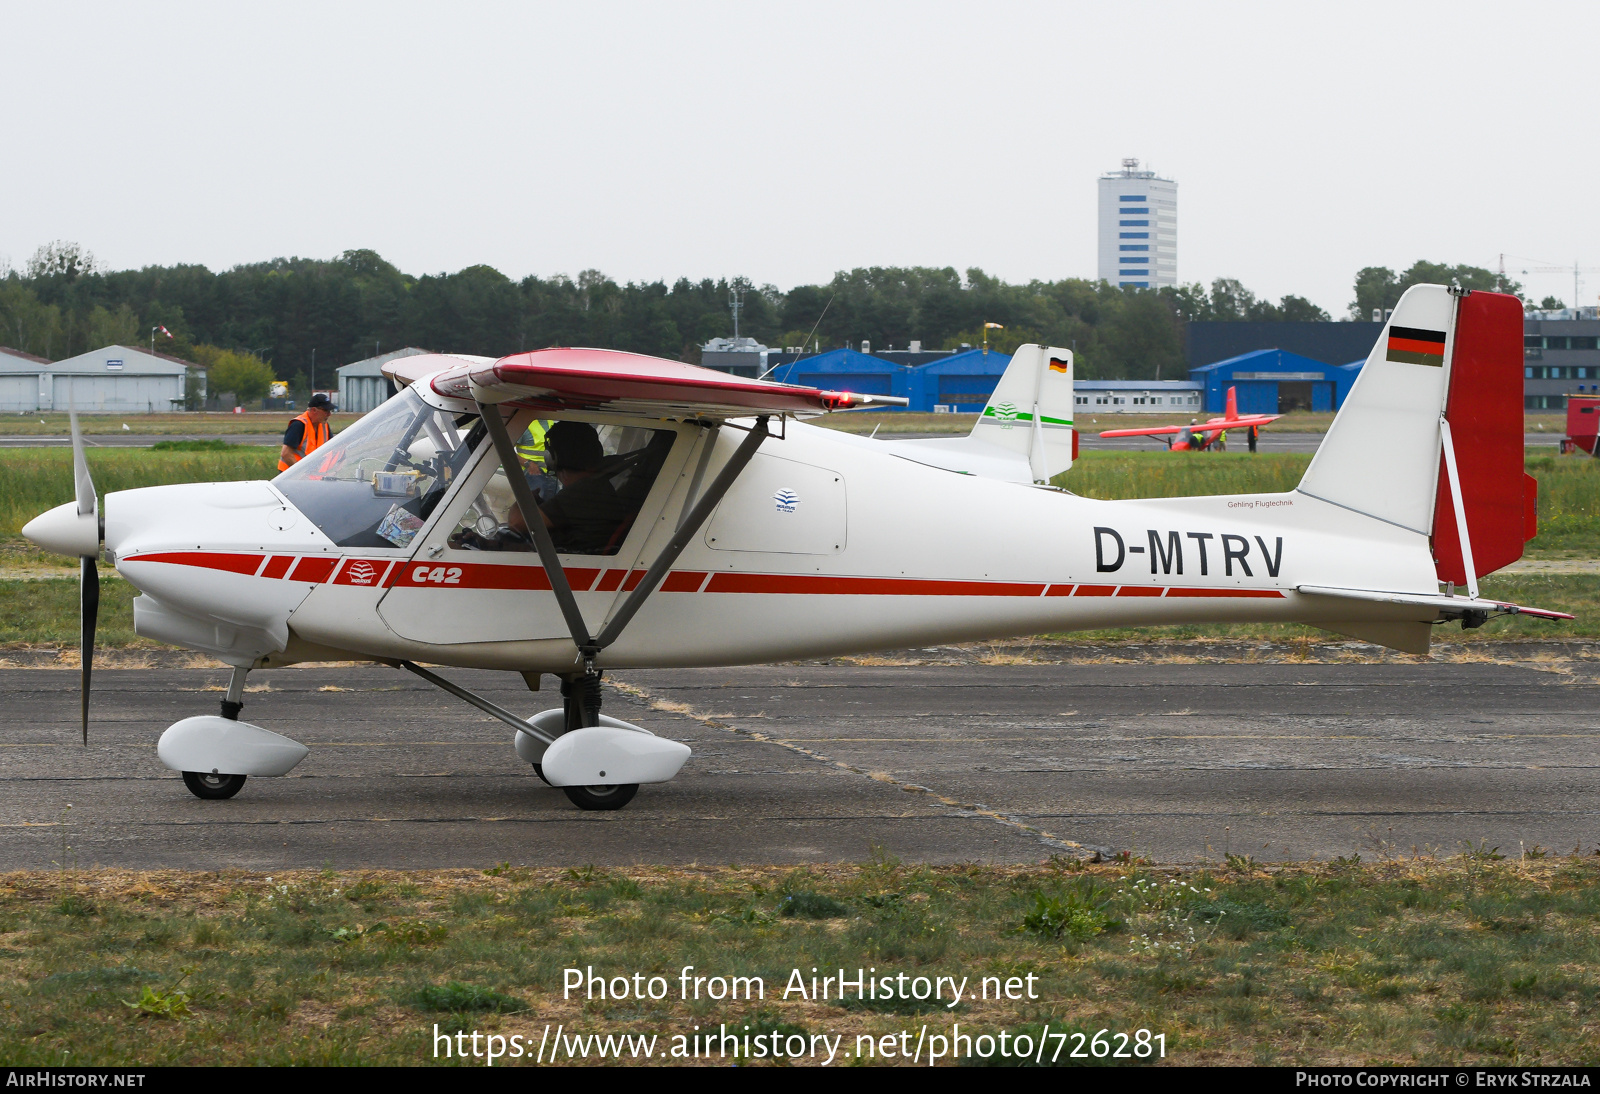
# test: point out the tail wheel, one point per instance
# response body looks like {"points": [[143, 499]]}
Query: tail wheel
{"points": [[205, 784], [601, 797]]}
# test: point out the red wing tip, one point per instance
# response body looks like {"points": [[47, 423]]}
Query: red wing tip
{"points": [[1154, 431], [1539, 613]]}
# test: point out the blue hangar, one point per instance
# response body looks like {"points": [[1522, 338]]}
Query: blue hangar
{"points": [[1275, 381], [961, 381]]}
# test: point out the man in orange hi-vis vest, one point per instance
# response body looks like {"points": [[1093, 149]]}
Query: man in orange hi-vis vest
{"points": [[307, 432]]}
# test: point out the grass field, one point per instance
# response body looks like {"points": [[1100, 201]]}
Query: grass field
{"points": [[35, 479], [51, 423], [1475, 958]]}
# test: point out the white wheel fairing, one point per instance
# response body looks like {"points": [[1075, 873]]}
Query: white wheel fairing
{"points": [[553, 723], [607, 756], [209, 743]]}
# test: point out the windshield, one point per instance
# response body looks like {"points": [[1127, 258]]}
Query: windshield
{"points": [[377, 483]]}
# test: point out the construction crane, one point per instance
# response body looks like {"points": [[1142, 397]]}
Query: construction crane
{"points": [[1575, 270]]}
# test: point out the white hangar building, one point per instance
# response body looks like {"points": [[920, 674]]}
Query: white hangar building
{"points": [[112, 380], [362, 384]]}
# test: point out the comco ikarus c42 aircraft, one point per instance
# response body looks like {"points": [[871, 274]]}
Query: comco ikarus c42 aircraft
{"points": [[694, 518]]}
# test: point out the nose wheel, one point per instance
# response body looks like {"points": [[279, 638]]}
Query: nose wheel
{"points": [[600, 797], [205, 784]]}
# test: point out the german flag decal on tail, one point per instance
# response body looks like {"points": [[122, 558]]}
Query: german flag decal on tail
{"points": [[1412, 346], [1058, 365]]}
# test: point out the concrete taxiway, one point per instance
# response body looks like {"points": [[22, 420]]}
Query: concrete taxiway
{"points": [[932, 761]]}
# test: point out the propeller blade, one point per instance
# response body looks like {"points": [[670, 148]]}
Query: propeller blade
{"points": [[82, 484], [90, 607]]}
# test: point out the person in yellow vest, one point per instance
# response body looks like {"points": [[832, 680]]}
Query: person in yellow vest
{"points": [[531, 448], [307, 432], [531, 451]]}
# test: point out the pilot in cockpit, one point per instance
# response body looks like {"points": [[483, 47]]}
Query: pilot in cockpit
{"points": [[584, 516]]}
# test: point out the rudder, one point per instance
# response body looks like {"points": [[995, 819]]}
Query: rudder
{"points": [[1484, 411]]}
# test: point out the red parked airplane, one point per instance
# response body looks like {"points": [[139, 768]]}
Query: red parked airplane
{"points": [[1198, 438]]}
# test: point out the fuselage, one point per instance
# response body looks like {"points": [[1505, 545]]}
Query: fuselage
{"points": [[827, 544]]}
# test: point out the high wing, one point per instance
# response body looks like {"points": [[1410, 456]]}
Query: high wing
{"points": [[1215, 425], [625, 383]]}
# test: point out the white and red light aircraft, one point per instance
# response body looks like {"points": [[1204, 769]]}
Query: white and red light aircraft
{"points": [[720, 529], [1197, 437]]}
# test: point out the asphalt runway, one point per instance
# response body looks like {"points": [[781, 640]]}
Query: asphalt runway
{"points": [[827, 761]]}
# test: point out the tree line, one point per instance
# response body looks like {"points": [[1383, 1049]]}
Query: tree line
{"points": [[300, 318]]}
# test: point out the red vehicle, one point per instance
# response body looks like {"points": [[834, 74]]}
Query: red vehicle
{"points": [[1583, 424]]}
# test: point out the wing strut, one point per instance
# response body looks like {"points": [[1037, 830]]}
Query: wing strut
{"points": [[478, 701], [541, 535], [590, 647], [1461, 511], [686, 531]]}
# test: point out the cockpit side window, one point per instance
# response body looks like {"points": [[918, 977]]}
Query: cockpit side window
{"points": [[377, 483], [591, 482]]}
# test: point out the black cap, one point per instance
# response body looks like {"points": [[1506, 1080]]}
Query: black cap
{"points": [[573, 446], [320, 399]]}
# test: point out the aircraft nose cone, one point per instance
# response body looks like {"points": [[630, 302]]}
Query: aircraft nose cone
{"points": [[62, 531]]}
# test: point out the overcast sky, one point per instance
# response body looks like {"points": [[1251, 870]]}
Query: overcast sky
{"points": [[786, 141]]}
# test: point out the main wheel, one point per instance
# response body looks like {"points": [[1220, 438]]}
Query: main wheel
{"points": [[204, 784], [601, 797]]}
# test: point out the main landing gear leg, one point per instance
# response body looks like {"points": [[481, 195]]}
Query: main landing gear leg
{"points": [[580, 692], [210, 785], [581, 696]]}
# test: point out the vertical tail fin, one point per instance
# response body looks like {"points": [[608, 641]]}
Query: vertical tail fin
{"points": [[1441, 358], [1381, 454], [1031, 410], [1233, 403]]}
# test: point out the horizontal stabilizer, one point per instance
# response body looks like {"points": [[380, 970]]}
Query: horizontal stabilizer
{"points": [[1446, 607], [967, 455]]}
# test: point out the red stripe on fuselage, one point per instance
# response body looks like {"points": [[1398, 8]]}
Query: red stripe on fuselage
{"points": [[864, 586], [209, 560], [313, 569], [317, 569], [1269, 593], [484, 575]]}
